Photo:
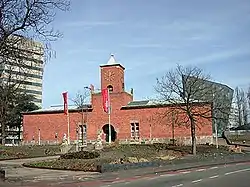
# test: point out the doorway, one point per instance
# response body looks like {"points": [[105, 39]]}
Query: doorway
{"points": [[105, 129]]}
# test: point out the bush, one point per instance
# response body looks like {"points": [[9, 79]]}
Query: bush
{"points": [[81, 155], [86, 165]]}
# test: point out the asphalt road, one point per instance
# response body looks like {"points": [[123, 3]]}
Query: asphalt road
{"points": [[233, 175], [236, 175]]}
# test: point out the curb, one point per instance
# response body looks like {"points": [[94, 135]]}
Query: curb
{"points": [[150, 172], [196, 161], [107, 168], [58, 169], [44, 156]]}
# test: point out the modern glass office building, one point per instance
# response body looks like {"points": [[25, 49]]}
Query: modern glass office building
{"points": [[219, 94]]}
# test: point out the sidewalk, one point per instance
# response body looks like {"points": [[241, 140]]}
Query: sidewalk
{"points": [[15, 172], [17, 162]]}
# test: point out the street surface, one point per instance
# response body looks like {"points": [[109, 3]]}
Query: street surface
{"points": [[234, 175], [229, 175]]}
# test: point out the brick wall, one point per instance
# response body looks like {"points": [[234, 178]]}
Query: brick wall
{"points": [[154, 123]]}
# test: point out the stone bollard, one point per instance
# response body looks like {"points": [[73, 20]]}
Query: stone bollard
{"points": [[2, 174]]}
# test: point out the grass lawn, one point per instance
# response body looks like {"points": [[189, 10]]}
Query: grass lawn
{"points": [[7, 152], [124, 154]]}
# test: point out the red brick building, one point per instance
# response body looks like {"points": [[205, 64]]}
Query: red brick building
{"points": [[131, 120]]}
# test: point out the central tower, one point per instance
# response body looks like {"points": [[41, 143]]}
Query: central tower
{"points": [[112, 76]]}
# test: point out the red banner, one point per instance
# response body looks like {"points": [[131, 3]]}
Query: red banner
{"points": [[105, 100], [65, 102]]}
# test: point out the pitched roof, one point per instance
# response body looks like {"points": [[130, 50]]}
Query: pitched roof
{"points": [[156, 103], [112, 60], [58, 109]]}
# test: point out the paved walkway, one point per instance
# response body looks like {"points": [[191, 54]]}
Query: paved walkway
{"points": [[16, 172]]}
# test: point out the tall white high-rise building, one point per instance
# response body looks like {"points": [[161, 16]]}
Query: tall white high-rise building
{"points": [[25, 67]]}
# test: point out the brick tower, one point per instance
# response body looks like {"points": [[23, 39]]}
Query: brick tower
{"points": [[112, 76]]}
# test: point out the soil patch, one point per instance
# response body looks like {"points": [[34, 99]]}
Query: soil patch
{"points": [[124, 154]]}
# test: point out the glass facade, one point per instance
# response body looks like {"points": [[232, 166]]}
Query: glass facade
{"points": [[207, 91]]}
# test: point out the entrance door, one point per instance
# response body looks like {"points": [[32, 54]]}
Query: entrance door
{"points": [[105, 129]]}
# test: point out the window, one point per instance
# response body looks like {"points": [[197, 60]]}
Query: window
{"points": [[110, 87], [135, 130]]}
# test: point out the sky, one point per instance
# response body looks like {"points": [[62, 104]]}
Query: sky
{"points": [[148, 38]]}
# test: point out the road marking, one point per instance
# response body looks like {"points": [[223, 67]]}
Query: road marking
{"points": [[185, 172], [137, 176], [239, 164], [237, 171], [214, 167], [199, 180], [215, 176], [152, 178], [106, 185], [200, 169], [167, 175], [120, 181], [178, 185]]}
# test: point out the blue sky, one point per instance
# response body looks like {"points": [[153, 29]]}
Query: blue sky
{"points": [[148, 38]]}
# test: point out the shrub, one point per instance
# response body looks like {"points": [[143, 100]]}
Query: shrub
{"points": [[81, 155]]}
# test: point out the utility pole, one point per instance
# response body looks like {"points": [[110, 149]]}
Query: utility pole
{"points": [[109, 112]]}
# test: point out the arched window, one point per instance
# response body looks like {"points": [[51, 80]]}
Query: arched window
{"points": [[110, 87]]}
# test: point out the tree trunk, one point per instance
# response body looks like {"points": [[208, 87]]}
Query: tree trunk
{"points": [[82, 125], [3, 133], [193, 136], [173, 124]]}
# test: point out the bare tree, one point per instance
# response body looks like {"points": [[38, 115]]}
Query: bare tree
{"points": [[248, 96], [28, 18], [244, 108], [22, 22], [184, 88], [80, 100], [240, 111], [239, 101], [10, 91]]}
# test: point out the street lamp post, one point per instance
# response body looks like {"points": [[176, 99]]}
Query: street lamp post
{"points": [[39, 136], [216, 128], [84, 131]]}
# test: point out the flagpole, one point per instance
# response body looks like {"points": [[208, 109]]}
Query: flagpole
{"points": [[109, 111], [66, 111], [68, 126]]}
